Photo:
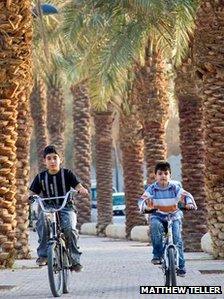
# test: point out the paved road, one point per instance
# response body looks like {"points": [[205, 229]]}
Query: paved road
{"points": [[112, 269]]}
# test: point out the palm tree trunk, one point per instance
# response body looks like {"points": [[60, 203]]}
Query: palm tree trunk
{"points": [[209, 56], [151, 95], [22, 177], [56, 115], [193, 154], [103, 147], [132, 147], [15, 78], [38, 102], [82, 148]]}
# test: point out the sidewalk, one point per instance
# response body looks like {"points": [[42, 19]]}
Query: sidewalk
{"points": [[112, 269]]}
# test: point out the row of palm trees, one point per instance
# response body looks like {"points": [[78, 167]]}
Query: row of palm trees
{"points": [[119, 36], [120, 50]]}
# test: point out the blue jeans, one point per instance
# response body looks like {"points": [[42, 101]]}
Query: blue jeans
{"points": [[157, 231], [68, 222]]}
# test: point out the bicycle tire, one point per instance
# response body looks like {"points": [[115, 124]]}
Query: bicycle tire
{"points": [[55, 273], [170, 273], [66, 272]]}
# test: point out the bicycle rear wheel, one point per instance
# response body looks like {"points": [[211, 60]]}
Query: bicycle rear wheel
{"points": [[55, 273], [66, 272], [170, 272]]}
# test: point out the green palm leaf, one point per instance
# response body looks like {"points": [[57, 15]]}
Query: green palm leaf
{"points": [[111, 35]]}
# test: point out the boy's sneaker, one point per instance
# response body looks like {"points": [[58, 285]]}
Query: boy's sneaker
{"points": [[41, 261], [76, 267], [156, 261], [181, 272]]}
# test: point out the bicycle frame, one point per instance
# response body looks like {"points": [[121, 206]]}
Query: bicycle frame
{"points": [[170, 259], [168, 242], [58, 258], [168, 239], [53, 225], [51, 213]]}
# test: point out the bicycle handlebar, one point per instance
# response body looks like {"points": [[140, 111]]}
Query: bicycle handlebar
{"points": [[40, 201], [151, 211]]}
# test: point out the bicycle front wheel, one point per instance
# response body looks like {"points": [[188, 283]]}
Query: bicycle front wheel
{"points": [[55, 273], [170, 271], [66, 272]]}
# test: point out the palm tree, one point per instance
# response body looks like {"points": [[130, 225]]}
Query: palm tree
{"points": [[102, 116], [208, 57], [150, 91], [22, 177], [131, 143], [103, 121], [45, 52], [56, 111], [192, 151], [82, 147], [38, 99], [191, 136], [15, 81], [38, 105]]}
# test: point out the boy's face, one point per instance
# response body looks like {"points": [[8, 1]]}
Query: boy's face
{"points": [[162, 177], [52, 162]]}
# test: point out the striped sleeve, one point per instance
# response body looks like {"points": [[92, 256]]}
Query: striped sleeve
{"points": [[186, 197], [145, 200]]}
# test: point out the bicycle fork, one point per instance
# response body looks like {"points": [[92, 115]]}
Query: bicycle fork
{"points": [[176, 255], [170, 244]]}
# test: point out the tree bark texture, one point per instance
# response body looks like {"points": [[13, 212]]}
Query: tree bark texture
{"points": [[132, 147], [150, 92], [22, 178], [209, 57], [38, 103], [82, 148], [15, 78], [56, 116], [103, 147]]}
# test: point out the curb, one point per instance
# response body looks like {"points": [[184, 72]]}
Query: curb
{"points": [[140, 233], [117, 231], [88, 229], [207, 244]]}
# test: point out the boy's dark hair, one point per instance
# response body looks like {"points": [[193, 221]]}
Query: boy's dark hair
{"points": [[51, 149], [163, 166]]}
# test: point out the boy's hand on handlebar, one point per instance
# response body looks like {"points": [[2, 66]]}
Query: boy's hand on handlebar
{"points": [[83, 191], [31, 199], [149, 204], [190, 207]]}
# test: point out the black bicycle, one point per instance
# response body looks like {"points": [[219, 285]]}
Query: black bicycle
{"points": [[58, 257]]}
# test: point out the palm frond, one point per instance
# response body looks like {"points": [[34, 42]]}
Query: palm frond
{"points": [[184, 24], [109, 36]]}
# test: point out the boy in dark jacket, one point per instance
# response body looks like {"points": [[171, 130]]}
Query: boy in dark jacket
{"points": [[53, 182]]}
